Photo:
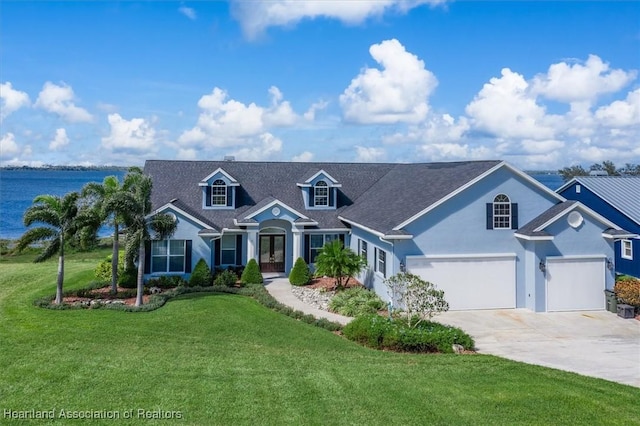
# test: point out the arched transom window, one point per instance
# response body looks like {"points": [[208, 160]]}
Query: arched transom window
{"points": [[321, 194], [219, 193], [501, 212]]}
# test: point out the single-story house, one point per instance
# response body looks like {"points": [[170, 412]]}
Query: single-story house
{"points": [[485, 232], [618, 199]]}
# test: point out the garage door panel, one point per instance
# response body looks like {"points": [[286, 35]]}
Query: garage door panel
{"points": [[470, 283], [575, 284]]}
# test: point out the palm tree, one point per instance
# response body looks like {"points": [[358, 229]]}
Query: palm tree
{"points": [[107, 200], [61, 220], [140, 223], [338, 262]]}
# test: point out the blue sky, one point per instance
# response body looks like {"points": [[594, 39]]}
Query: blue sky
{"points": [[539, 84]]}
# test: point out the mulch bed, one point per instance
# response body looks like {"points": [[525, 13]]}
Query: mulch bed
{"points": [[327, 283]]}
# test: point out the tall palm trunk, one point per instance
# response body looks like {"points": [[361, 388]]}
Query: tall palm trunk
{"points": [[140, 292], [115, 259], [60, 271]]}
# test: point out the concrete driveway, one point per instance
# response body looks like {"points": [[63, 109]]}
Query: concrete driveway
{"points": [[593, 343]]}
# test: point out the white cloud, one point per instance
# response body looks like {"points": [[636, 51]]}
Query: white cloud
{"points": [[59, 100], [8, 146], [578, 82], [188, 12], [263, 148], [187, 154], [369, 154], [541, 146], [397, 93], [303, 157], [506, 108], [60, 140], [256, 17], [135, 135], [12, 100], [621, 113], [452, 152], [436, 129], [310, 115], [225, 122]]}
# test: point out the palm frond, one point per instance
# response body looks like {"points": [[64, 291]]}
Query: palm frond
{"points": [[35, 235], [50, 249]]}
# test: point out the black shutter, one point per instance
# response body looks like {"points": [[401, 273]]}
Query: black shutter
{"points": [[207, 197], [514, 215], [229, 196], [341, 236], [331, 197], [187, 256], [311, 197], [147, 257], [306, 248], [216, 252], [489, 215], [238, 250]]}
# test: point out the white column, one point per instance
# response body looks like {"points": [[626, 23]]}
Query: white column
{"points": [[252, 238], [297, 245]]}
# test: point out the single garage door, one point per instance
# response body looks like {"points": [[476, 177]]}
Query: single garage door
{"points": [[575, 284], [470, 281]]}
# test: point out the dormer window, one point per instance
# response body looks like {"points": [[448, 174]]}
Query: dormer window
{"points": [[321, 194], [219, 193]]}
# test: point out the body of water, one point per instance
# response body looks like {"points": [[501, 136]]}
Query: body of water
{"points": [[18, 188]]}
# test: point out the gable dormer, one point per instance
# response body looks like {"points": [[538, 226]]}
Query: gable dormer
{"points": [[219, 190], [320, 191]]}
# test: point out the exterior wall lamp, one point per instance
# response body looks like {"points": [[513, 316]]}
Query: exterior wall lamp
{"points": [[609, 264], [542, 267], [403, 267]]}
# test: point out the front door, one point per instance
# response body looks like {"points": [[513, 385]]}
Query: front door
{"points": [[272, 253]]}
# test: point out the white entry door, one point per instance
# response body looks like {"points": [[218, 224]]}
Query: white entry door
{"points": [[575, 284]]}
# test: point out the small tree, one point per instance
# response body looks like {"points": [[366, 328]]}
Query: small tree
{"points": [[300, 274], [251, 273], [201, 275], [417, 299], [338, 262]]}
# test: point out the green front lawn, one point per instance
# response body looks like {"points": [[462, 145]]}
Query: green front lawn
{"points": [[225, 359]]}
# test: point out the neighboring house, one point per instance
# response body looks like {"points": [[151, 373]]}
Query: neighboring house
{"points": [[618, 199], [485, 232]]}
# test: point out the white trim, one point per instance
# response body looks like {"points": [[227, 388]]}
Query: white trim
{"points": [[182, 212], [623, 255], [397, 237], [473, 182], [234, 182], [364, 228], [586, 210], [575, 257], [534, 237], [237, 223], [619, 237], [281, 204], [325, 231], [333, 181], [463, 256]]}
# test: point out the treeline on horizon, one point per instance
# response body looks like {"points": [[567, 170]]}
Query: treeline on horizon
{"points": [[68, 168], [606, 168]]}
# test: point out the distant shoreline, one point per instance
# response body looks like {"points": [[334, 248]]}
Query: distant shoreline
{"points": [[69, 168]]}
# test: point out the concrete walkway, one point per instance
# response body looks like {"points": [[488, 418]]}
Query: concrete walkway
{"points": [[595, 343], [280, 289]]}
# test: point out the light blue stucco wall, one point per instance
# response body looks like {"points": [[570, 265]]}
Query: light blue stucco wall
{"points": [[369, 277], [458, 226]]}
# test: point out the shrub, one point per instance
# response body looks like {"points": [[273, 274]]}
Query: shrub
{"points": [[226, 278], [338, 262], [166, 281], [201, 275], [300, 274], [128, 278], [251, 273], [383, 333], [356, 301], [417, 299], [103, 270], [627, 290]]}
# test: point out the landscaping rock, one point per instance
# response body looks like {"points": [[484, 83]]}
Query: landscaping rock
{"points": [[314, 297]]}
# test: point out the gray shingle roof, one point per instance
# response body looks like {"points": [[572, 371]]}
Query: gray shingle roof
{"points": [[377, 195], [530, 228], [623, 193]]}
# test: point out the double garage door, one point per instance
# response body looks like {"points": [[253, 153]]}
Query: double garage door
{"points": [[489, 281], [470, 281]]}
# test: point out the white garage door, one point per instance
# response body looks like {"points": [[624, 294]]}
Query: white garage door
{"points": [[575, 284], [470, 281]]}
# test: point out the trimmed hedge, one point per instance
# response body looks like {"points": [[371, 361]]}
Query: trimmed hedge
{"points": [[627, 290], [300, 274], [226, 278], [379, 332], [356, 301], [201, 275], [251, 273]]}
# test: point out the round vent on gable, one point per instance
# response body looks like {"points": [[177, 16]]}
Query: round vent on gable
{"points": [[173, 216], [575, 219]]}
